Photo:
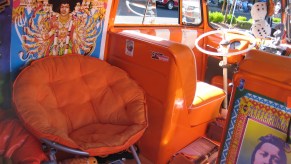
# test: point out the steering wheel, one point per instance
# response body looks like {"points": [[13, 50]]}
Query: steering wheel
{"points": [[225, 44], [224, 41]]}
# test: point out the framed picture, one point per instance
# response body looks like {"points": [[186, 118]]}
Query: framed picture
{"points": [[257, 131]]}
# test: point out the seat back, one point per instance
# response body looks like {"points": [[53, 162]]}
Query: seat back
{"points": [[55, 96], [178, 35], [259, 109]]}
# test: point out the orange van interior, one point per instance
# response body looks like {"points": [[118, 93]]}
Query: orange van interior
{"points": [[160, 68]]}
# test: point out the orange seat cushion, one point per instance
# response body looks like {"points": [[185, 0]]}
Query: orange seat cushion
{"points": [[207, 100], [81, 102]]}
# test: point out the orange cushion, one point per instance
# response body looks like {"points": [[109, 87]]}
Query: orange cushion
{"points": [[58, 97], [18, 144], [206, 93], [206, 104]]}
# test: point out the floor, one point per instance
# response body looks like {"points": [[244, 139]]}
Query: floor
{"points": [[5, 161], [143, 160], [130, 161]]}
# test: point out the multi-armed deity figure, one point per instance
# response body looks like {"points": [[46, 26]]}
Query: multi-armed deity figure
{"points": [[58, 27]]}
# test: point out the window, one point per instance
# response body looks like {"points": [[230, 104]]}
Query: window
{"points": [[237, 13], [191, 10], [158, 12]]}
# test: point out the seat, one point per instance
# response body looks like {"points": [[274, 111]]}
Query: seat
{"points": [[80, 103], [179, 106]]}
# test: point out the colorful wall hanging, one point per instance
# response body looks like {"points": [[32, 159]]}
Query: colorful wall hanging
{"points": [[55, 27]]}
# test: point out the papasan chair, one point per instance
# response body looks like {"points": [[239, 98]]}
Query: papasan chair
{"points": [[81, 105]]}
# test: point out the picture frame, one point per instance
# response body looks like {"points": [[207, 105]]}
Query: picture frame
{"points": [[255, 119]]}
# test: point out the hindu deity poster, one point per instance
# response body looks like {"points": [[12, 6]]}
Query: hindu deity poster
{"points": [[55, 27], [257, 131]]}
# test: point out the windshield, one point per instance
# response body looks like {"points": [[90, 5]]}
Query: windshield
{"points": [[159, 12], [237, 13]]}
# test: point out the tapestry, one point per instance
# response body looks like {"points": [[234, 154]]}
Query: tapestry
{"points": [[55, 27]]}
